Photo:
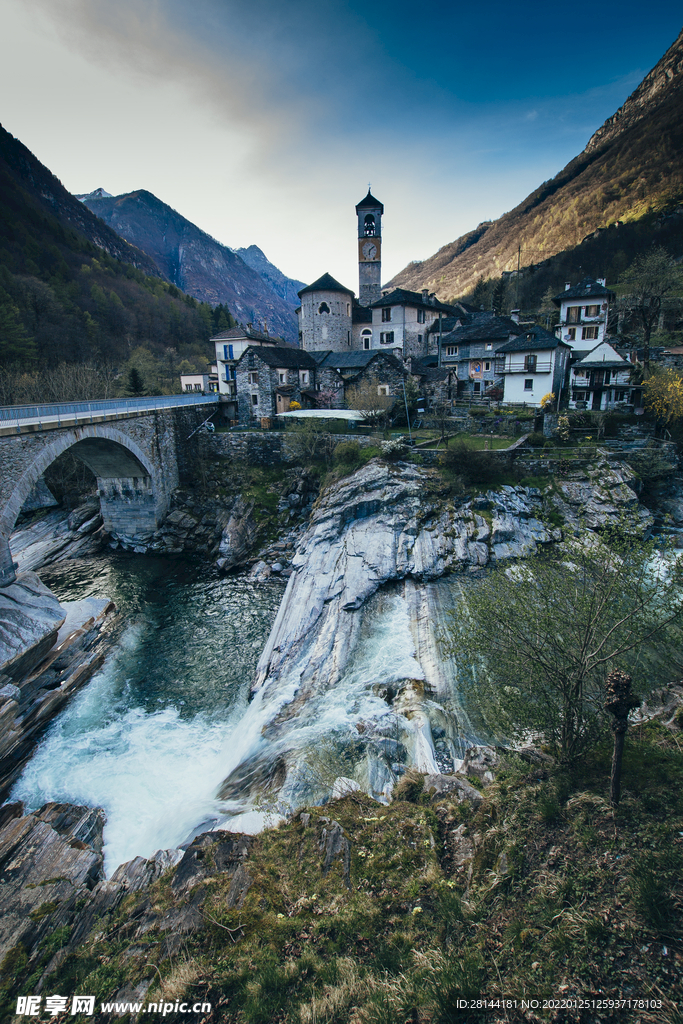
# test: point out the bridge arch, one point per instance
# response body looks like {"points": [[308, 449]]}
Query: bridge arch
{"points": [[133, 498]]}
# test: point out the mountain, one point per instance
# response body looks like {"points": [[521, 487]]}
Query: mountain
{"points": [[72, 290], [23, 170], [630, 170], [196, 262], [286, 287]]}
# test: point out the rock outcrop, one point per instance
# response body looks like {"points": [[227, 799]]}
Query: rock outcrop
{"points": [[38, 682], [30, 617], [58, 535], [601, 496]]}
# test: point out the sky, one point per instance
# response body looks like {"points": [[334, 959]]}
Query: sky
{"points": [[264, 121]]}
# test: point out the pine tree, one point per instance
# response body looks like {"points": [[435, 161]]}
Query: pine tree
{"points": [[135, 386]]}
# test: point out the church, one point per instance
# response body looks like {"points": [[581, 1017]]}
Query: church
{"points": [[398, 322]]}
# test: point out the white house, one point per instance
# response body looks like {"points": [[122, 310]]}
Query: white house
{"points": [[533, 364], [230, 346], [401, 320], [601, 380], [200, 382], [583, 313]]}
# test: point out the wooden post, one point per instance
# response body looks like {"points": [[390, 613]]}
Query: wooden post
{"points": [[619, 701]]}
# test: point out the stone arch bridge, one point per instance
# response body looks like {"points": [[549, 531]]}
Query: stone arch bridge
{"points": [[136, 448]]}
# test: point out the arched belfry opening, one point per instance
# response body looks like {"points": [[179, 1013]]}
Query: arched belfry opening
{"points": [[369, 226], [323, 308]]}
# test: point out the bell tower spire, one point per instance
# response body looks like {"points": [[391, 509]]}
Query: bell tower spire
{"points": [[369, 212]]}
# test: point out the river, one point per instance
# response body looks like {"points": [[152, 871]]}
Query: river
{"points": [[149, 737], [164, 737]]}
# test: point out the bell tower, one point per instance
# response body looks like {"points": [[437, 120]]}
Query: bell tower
{"points": [[369, 212]]}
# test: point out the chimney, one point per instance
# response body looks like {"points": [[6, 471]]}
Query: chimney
{"points": [[514, 315], [248, 326], [567, 285], [432, 298], [602, 281], [425, 295]]}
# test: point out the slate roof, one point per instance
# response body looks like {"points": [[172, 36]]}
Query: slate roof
{"points": [[449, 323], [591, 363], [326, 283], [247, 332], [360, 314], [434, 375], [402, 297], [586, 289], [486, 327], [356, 360], [286, 357], [369, 202], [533, 339]]}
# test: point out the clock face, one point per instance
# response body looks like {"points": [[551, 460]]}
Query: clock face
{"points": [[369, 251]]}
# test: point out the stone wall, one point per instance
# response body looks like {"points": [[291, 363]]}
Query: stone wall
{"points": [[266, 448]]}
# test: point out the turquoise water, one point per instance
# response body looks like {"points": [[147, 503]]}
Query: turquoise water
{"points": [[148, 738]]}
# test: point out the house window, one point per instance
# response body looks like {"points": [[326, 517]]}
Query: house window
{"points": [[592, 311], [571, 333], [451, 350], [233, 374], [282, 377], [348, 309], [198, 387], [420, 316], [589, 333], [253, 377], [188, 387], [323, 308], [530, 364], [579, 396], [620, 396], [386, 338], [367, 339], [303, 376], [386, 314], [382, 389], [579, 373], [366, 343], [487, 366], [419, 339], [573, 314], [254, 399], [477, 387], [529, 384], [489, 346], [228, 352]]}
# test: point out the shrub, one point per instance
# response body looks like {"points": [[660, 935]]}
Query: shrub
{"points": [[347, 452], [536, 440], [473, 465]]}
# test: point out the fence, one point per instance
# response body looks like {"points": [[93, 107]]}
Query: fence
{"points": [[53, 413]]}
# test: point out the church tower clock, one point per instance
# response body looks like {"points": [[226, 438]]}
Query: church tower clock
{"points": [[369, 212]]}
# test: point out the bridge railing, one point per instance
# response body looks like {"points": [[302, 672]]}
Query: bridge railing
{"points": [[52, 412]]}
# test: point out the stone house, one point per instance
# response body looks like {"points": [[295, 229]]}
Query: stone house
{"points": [[533, 364], [601, 380], [471, 350], [357, 367], [401, 322], [230, 346], [268, 378]]}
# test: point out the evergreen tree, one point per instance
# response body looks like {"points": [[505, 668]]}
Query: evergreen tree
{"points": [[135, 385]]}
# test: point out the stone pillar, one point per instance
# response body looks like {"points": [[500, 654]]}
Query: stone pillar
{"points": [[129, 507]]}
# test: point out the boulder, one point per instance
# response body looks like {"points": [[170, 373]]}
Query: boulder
{"points": [[30, 617], [453, 785], [237, 537]]}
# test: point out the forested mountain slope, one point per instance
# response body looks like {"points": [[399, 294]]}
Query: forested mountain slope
{"points": [[72, 291], [630, 170], [196, 262]]}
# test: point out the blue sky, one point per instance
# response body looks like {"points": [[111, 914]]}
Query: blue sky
{"points": [[263, 122]]}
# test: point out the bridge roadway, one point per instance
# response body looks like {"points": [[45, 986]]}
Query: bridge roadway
{"points": [[135, 447], [22, 419]]}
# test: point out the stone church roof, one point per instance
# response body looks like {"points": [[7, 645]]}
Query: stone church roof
{"points": [[286, 357], [326, 283]]}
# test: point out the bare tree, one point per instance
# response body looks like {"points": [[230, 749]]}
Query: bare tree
{"points": [[649, 281], [370, 398]]}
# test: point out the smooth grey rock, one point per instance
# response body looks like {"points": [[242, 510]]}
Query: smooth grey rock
{"points": [[480, 762], [460, 788], [30, 617], [237, 536], [342, 787]]}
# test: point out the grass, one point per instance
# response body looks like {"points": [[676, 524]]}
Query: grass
{"points": [[563, 897]]}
